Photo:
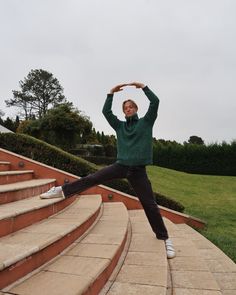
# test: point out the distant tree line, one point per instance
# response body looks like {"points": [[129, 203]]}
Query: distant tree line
{"points": [[11, 124], [212, 159]]}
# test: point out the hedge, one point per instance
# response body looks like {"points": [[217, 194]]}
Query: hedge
{"points": [[99, 160], [43, 152], [214, 159]]}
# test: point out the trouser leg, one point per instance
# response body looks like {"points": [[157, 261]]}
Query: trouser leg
{"points": [[111, 172], [143, 189]]}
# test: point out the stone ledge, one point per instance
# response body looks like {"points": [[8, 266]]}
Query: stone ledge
{"points": [[17, 172], [24, 185]]}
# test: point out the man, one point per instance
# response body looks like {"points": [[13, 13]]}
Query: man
{"points": [[134, 152]]}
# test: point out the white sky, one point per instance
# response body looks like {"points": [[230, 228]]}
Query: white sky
{"points": [[184, 50]]}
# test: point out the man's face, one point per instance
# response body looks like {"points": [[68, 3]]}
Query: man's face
{"points": [[129, 109]]}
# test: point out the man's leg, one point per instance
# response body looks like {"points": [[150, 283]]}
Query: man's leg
{"points": [[111, 172], [142, 186], [137, 177]]}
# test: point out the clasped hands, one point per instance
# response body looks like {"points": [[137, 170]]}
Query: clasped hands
{"points": [[119, 87]]}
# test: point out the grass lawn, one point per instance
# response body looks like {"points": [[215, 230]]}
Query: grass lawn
{"points": [[211, 198]]}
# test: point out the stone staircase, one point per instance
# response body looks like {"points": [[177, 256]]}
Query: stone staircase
{"points": [[87, 245]]}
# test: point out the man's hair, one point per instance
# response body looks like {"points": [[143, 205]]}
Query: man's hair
{"points": [[129, 100]]}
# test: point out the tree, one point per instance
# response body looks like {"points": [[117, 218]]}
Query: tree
{"points": [[9, 124], [39, 90], [1, 115], [63, 126], [91, 136], [195, 140], [17, 123]]}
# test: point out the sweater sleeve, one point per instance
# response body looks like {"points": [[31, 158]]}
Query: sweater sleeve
{"points": [[107, 112], [151, 114]]}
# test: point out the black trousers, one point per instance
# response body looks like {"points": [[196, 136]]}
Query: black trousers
{"points": [[138, 179]]}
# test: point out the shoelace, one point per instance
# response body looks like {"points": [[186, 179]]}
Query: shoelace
{"points": [[52, 189], [168, 242]]}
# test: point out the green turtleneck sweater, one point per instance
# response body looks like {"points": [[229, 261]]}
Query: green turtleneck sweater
{"points": [[134, 136]]}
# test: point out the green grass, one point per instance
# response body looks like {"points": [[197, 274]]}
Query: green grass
{"points": [[211, 198]]}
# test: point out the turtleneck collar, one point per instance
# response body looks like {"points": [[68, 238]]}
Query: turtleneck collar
{"points": [[132, 118]]}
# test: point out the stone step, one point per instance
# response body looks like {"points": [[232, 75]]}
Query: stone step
{"points": [[189, 270], [4, 166], [29, 248], [86, 266], [199, 267], [20, 214], [144, 269], [219, 264], [24, 189], [7, 177]]}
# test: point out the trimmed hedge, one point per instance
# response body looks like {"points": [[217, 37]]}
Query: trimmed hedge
{"points": [[165, 202], [214, 159], [43, 152], [50, 155], [99, 160]]}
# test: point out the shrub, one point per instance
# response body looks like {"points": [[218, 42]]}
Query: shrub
{"points": [[43, 152], [168, 202], [100, 160]]}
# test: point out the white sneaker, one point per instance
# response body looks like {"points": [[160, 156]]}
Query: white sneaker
{"points": [[54, 192], [170, 251]]}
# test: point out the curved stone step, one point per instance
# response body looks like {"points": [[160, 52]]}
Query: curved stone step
{"points": [[190, 271], [27, 249], [198, 268], [25, 189], [219, 264], [4, 166], [20, 214], [7, 177], [85, 268], [144, 269]]}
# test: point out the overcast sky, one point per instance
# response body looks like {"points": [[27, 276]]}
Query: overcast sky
{"points": [[184, 50]]}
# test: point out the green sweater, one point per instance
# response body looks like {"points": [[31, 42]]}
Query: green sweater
{"points": [[134, 136]]}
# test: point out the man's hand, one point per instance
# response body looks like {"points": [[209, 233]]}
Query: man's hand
{"points": [[137, 84], [117, 88]]}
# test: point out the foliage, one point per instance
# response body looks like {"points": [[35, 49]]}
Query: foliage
{"points": [[106, 139], [63, 126], [38, 91], [195, 140], [168, 202], [96, 153], [110, 150], [214, 159], [10, 123], [45, 153], [99, 160], [55, 157]]}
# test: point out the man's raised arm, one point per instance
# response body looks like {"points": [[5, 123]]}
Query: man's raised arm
{"points": [[107, 111]]}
